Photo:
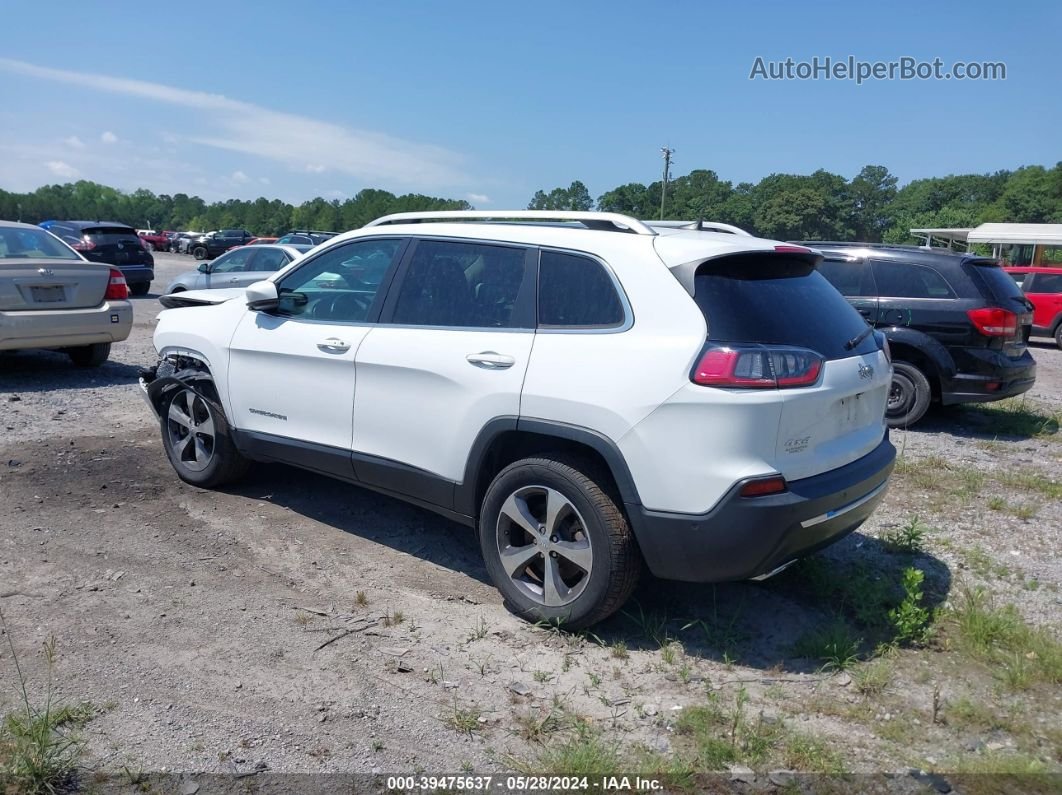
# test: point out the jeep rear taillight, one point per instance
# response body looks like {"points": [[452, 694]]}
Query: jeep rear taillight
{"points": [[751, 366], [994, 322], [85, 244], [117, 288]]}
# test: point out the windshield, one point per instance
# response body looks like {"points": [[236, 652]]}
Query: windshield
{"points": [[16, 243]]}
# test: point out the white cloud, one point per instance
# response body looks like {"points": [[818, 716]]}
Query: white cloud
{"points": [[74, 142], [61, 169], [315, 168], [239, 177], [478, 198], [108, 137], [288, 138]]}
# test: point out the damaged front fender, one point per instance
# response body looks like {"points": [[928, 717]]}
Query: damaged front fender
{"points": [[162, 379]]}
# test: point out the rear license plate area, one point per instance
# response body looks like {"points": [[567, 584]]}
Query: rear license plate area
{"points": [[47, 295]]}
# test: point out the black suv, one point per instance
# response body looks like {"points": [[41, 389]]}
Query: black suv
{"points": [[957, 323], [214, 244], [110, 243]]}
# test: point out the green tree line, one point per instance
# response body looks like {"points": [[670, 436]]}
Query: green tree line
{"points": [[824, 206], [870, 207], [143, 209]]}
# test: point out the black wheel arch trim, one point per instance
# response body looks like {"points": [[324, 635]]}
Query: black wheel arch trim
{"points": [[465, 492], [933, 350]]}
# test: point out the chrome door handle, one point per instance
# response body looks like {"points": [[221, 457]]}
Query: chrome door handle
{"points": [[333, 345], [491, 360]]}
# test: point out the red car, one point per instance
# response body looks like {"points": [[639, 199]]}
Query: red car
{"points": [[1042, 286], [156, 241]]}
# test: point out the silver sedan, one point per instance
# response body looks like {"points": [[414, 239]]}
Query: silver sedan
{"points": [[238, 267], [52, 297]]}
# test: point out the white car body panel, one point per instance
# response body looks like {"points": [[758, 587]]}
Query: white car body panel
{"points": [[421, 402]]}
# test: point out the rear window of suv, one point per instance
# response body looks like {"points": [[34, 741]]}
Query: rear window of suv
{"points": [[108, 235], [995, 284], [777, 300]]}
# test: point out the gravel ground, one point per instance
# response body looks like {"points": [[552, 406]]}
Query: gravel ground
{"points": [[195, 621]]}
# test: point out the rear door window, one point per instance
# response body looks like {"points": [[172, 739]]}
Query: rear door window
{"points": [[780, 301], [1047, 283], [994, 282], [907, 280], [576, 292], [233, 262], [268, 260], [464, 285], [851, 278]]}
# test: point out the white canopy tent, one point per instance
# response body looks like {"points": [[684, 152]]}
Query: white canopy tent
{"points": [[1022, 244]]}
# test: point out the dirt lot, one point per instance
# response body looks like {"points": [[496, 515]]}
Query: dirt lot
{"points": [[194, 622]]}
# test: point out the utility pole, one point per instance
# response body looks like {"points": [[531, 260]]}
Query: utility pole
{"points": [[667, 152]]}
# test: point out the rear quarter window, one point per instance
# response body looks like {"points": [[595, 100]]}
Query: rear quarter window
{"points": [[576, 292], [994, 282], [907, 280], [780, 301]]}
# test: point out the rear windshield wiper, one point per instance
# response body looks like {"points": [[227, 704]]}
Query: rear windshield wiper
{"points": [[858, 338]]}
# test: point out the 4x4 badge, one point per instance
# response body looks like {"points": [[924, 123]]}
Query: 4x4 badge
{"points": [[866, 371]]}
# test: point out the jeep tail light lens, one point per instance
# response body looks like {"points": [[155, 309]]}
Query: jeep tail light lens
{"points": [[85, 244], [994, 322], [751, 366], [761, 487], [117, 289]]}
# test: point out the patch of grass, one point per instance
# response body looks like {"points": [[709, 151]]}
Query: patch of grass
{"points": [[907, 539], [1020, 654], [543, 676], [302, 619], [463, 719], [537, 726], [585, 754], [360, 599], [1018, 417], [997, 504], [619, 650], [983, 564], [40, 747], [652, 625], [393, 619], [1034, 482], [805, 753], [478, 632], [872, 678], [835, 645], [668, 654], [997, 763]]}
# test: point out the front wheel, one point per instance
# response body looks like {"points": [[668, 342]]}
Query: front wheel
{"points": [[1058, 336], [556, 543], [199, 252], [909, 396], [198, 440]]}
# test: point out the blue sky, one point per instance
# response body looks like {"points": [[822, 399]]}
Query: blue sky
{"points": [[490, 101]]}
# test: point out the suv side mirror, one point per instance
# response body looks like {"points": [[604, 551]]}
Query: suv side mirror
{"points": [[262, 296], [204, 267]]}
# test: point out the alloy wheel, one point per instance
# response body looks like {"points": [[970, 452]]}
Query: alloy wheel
{"points": [[191, 430], [544, 546]]}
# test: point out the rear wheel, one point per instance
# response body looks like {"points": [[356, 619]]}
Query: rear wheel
{"points": [[90, 355], [198, 441], [199, 252], [909, 396], [556, 543], [1058, 335]]}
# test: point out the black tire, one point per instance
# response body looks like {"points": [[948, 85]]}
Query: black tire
{"points": [[140, 288], [909, 396], [1058, 336], [199, 252], [600, 521], [176, 290], [90, 355], [225, 464]]}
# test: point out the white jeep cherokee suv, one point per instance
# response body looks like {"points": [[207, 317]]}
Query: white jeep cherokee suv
{"points": [[588, 391]]}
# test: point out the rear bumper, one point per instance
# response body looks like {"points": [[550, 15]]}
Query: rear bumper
{"points": [[65, 328], [744, 538], [993, 376], [137, 274]]}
